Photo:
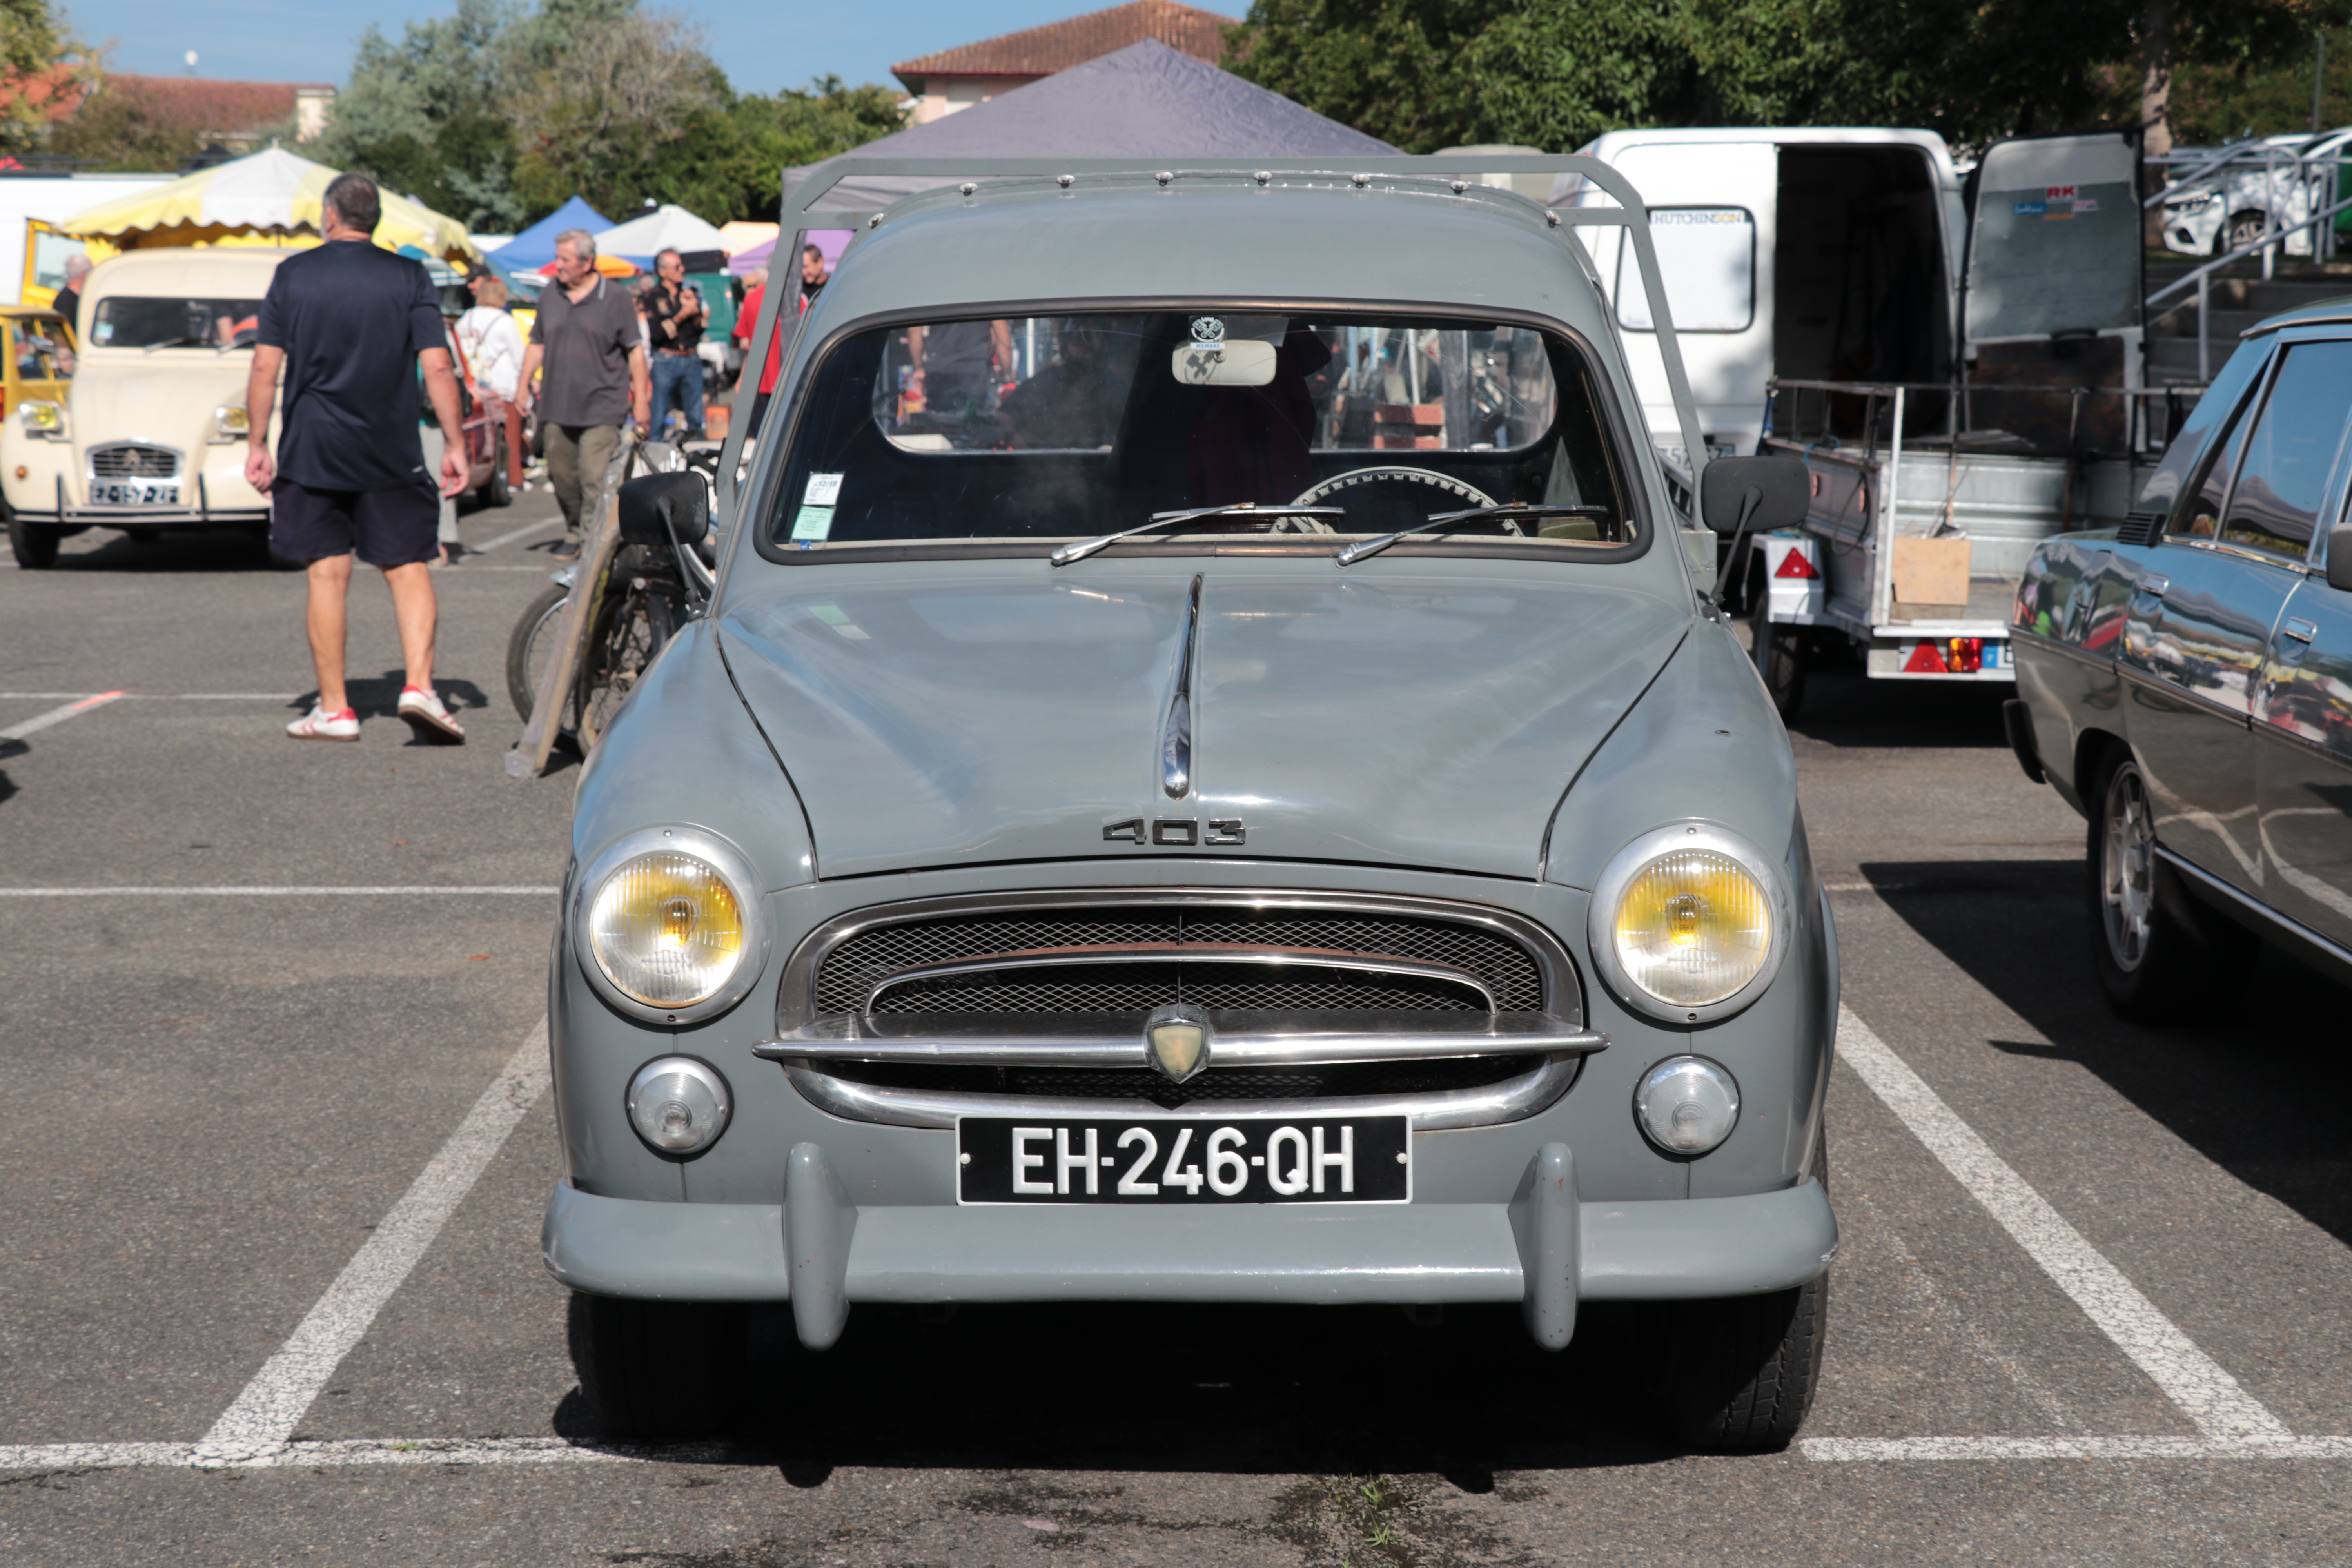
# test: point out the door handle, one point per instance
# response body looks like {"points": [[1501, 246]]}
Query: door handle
{"points": [[2155, 585], [2301, 631]]}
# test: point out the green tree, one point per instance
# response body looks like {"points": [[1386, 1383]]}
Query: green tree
{"points": [[1555, 73], [424, 115]]}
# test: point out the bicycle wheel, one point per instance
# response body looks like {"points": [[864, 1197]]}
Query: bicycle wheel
{"points": [[531, 645]]}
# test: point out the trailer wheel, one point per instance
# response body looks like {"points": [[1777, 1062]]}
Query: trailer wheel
{"points": [[2160, 955], [1779, 653]]}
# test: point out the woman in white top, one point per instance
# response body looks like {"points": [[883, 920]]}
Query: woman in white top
{"points": [[492, 345]]}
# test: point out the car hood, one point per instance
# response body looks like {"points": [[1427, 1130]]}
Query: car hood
{"points": [[1406, 717], [167, 396]]}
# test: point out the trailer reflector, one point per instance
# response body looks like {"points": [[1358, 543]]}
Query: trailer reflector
{"points": [[1926, 659], [1794, 565]]}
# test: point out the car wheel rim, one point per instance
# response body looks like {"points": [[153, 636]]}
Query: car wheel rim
{"points": [[2127, 869]]}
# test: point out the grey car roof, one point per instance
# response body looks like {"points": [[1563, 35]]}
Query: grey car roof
{"points": [[1108, 238]]}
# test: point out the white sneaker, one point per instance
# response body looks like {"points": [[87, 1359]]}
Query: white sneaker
{"points": [[318, 724], [426, 715]]}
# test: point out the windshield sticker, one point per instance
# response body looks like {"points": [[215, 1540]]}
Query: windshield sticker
{"points": [[823, 490], [812, 522], [1208, 329]]}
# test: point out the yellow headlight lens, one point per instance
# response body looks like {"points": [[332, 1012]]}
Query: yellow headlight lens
{"points": [[1693, 927], [230, 423], [666, 930], [42, 418]]}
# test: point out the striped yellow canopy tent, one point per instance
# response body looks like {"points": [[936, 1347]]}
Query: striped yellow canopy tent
{"points": [[271, 197]]}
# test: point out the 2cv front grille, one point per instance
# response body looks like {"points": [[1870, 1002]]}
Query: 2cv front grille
{"points": [[133, 460]]}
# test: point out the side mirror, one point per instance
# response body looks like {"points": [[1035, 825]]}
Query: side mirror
{"points": [[2339, 557], [653, 504], [1754, 495]]}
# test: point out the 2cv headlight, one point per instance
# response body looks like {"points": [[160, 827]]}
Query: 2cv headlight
{"points": [[42, 419], [1689, 924], [668, 925]]}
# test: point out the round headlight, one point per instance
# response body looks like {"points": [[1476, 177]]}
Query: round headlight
{"points": [[1687, 921], [680, 1105], [667, 925], [1686, 1105]]}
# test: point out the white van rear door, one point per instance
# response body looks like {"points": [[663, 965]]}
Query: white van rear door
{"points": [[1713, 221], [2053, 239]]}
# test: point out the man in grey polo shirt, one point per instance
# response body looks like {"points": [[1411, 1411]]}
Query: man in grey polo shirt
{"points": [[586, 337]]}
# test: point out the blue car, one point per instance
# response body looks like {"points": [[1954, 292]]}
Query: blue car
{"points": [[2186, 684]]}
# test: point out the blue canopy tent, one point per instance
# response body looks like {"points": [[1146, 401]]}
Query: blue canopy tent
{"points": [[535, 246]]}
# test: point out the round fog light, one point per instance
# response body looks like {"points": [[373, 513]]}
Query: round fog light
{"points": [[1686, 1105], [679, 1105]]}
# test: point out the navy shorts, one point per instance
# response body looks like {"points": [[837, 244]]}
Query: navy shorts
{"points": [[383, 527]]}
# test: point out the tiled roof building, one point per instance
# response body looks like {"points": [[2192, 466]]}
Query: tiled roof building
{"points": [[232, 113], [956, 79]]}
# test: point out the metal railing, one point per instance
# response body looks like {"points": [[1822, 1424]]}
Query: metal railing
{"points": [[2271, 160]]}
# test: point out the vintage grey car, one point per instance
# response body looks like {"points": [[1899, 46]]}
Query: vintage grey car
{"points": [[1209, 776], [2186, 684]]}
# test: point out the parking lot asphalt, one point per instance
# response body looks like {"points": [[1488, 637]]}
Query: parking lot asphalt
{"points": [[275, 1142]]}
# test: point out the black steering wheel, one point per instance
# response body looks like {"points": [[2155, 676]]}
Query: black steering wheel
{"points": [[1386, 497]]}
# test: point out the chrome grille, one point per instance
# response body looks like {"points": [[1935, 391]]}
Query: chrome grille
{"points": [[1337, 1079], [852, 969], [135, 462]]}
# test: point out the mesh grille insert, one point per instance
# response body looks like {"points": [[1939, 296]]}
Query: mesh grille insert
{"points": [[850, 970]]}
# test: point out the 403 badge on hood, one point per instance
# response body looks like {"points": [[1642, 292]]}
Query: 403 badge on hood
{"points": [[1176, 831]]}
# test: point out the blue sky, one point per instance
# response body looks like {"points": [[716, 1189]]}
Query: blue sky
{"points": [[763, 46]]}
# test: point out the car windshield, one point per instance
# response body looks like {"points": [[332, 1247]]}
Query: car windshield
{"points": [[1009, 430], [173, 322]]}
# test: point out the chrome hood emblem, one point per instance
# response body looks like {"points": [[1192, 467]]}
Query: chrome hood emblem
{"points": [[1176, 1040]]}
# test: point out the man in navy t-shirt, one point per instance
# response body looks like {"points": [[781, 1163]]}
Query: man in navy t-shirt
{"points": [[351, 323]]}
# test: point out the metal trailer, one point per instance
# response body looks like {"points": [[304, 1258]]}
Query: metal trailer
{"points": [[1914, 544]]}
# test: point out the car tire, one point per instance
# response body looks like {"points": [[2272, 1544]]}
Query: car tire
{"points": [[2243, 229], [1740, 1372], [33, 545], [1781, 656], [657, 1371], [2160, 955]]}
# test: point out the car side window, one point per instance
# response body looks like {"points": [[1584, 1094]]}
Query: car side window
{"points": [[2198, 513], [2291, 452]]}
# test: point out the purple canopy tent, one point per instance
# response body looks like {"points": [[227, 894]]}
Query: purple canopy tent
{"points": [[1146, 102]]}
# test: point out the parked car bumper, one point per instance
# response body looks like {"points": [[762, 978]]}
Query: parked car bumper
{"points": [[1410, 1253]]}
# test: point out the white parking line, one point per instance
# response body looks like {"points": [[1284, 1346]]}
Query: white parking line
{"points": [[159, 696], [264, 1416], [53, 1458], [2207, 1395], [1881, 1449], [512, 534], [58, 715], [516, 889]]}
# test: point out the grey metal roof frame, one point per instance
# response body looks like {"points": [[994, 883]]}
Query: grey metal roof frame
{"points": [[805, 211]]}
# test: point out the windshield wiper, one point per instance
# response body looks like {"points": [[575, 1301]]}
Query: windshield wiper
{"points": [[1069, 552], [1508, 510], [174, 343]]}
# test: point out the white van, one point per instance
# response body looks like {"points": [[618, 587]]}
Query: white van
{"points": [[1827, 253], [1957, 361]]}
